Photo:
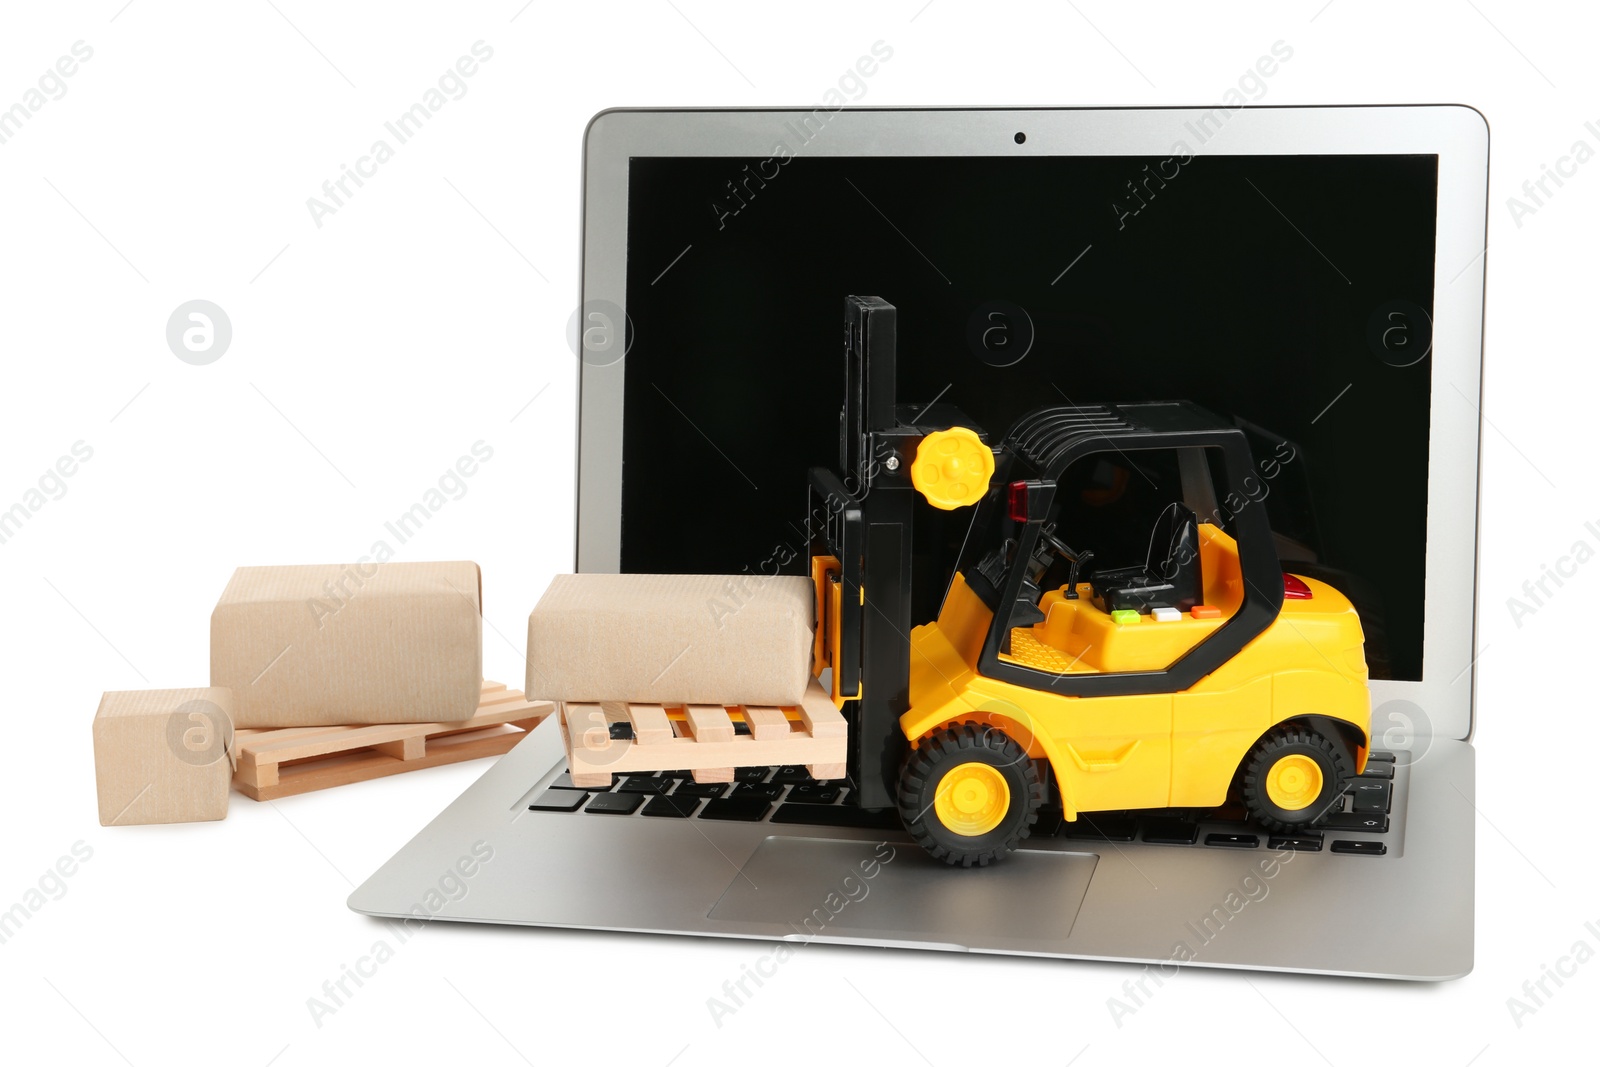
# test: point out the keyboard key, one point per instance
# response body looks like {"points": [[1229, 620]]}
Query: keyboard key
{"points": [[1232, 811], [1297, 842], [1233, 840], [814, 793], [637, 784], [1359, 848], [836, 815], [559, 800], [1380, 757], [564, 781], [736, 809], [1378, 770], [1370, 798], [1102, 826], [710, 790], [762, 790], [1345, 821], [1170, 831], [615, 803], [791, 774], [673, 807], [751, 774]]}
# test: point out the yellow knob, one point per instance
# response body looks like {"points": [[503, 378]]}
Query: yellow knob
{"points": [[952, 468]]}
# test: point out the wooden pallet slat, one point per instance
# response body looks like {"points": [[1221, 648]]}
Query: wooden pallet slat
{"points": [[585, 728], [281, 763], [821, 718], [704, 740], [709, 722], [767, 723], [588, 726], [650, 723], [407, 748]]}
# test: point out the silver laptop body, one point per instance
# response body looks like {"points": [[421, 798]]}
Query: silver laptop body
{"points": [[1222, 896]]}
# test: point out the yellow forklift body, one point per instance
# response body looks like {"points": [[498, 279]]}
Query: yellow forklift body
{"points": [[1149, 750]]}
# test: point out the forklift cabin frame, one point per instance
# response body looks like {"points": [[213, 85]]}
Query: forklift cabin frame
{"points": [[1040, 448]]}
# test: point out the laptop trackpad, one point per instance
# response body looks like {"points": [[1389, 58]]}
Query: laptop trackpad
{"points": [[823, 888]]}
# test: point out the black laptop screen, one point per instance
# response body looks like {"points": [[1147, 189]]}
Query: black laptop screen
{"points": [[1291, 294]]}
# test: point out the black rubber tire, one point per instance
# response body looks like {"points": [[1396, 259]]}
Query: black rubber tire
{"points": [[1287, 740], [925, 767]]}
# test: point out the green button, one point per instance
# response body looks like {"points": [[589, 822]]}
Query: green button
{"points": [[1125, 617]]}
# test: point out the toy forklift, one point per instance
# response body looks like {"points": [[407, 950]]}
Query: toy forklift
{"points": [[1187, 667]]}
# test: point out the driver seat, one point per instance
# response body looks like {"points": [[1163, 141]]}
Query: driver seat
{"points": [[1170, 577]]}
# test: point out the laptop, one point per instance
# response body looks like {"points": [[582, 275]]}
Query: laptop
{"points": [[1313, 276]]}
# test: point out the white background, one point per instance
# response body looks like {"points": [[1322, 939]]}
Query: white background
{"points": [[426, 314]]}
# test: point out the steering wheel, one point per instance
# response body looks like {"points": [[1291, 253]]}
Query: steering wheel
{"points": [[1076, 561]]}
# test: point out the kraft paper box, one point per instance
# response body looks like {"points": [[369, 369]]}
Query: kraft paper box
{"points": [[672, 639], [350, 643], [163, 755]]}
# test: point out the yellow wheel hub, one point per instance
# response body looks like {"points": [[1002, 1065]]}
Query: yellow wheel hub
{"points": [[952, 468], [972, 799], [1294, 782]]}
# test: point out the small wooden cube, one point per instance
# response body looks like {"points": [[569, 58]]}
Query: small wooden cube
{"points": [[163, 755]]}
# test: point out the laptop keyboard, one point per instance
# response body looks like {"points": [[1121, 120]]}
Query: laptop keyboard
{"points": [[789, 796]]}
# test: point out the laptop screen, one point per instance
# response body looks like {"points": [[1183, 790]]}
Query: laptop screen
{"points": [[1289, 294]]}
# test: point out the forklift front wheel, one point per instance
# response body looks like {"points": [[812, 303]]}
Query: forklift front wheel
{"points": [[1294, 778], [968, 794]]}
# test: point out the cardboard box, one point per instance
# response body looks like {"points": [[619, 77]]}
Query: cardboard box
{"points": [[345, 644], [672, 639], [163, 755]]}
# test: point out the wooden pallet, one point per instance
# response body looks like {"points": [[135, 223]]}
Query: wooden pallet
{"points": [[287, 762], [703, 739]]}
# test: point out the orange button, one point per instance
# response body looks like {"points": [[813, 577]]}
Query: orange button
{"points": [[1205, 611]]}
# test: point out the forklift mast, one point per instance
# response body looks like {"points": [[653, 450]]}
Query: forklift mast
{"points": [[862, 516]]}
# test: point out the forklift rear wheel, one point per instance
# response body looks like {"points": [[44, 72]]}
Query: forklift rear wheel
{"points": [[1294, 777], [968, 794]]}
